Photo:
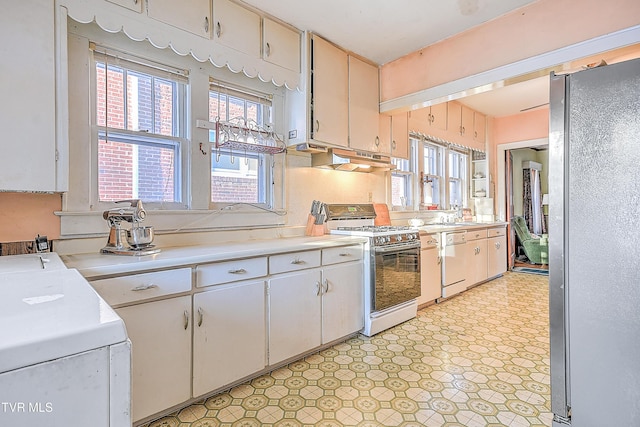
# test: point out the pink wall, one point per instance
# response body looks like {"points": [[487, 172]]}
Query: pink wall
{"points": [[543, 26], [521, 127], [24, 215]]}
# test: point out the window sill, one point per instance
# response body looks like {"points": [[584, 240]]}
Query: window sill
{"points": [[91, 223]]}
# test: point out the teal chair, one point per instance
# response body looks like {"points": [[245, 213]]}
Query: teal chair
{"points": [[530, 244]]}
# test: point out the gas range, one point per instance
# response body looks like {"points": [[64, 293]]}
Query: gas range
{"points": [[391, 265]]}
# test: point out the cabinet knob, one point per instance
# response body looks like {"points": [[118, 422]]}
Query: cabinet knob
{"points": [[218, 29], [206, 24], [497, 245], [268, 49], [317, 125], [326, 286], [377, 141], [318, 288]]}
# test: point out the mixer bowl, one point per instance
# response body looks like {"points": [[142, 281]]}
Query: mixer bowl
{"points": [[140, 237]]}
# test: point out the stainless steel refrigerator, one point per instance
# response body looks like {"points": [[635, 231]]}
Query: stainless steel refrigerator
{"points": [[594, 246]]}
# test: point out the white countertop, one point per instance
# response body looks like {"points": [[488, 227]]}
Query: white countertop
{"points": [[95, 265], [459, 226], [50, 314]]}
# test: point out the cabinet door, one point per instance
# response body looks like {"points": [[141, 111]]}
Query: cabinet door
{"points": [[384, 133], [229, 335], [400, 135], [160, 334], [479, 126], [497, 254], [466, 123], [281, 45], [330, 97], [364, 107], [430, 275], [294, 314], [342, 301], [454, 118], [476, 261], [439, 114], [236, 27], [189, 15], [419, 120], [27, 85]]}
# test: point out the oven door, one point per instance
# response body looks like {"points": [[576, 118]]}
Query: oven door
{"points": [[395, 272]]}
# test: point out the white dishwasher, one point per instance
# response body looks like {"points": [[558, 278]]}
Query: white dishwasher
{"points": [[65, 359], [454, 264]]}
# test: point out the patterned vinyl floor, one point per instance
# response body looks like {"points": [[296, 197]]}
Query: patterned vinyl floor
{"points": [[479, 359]]}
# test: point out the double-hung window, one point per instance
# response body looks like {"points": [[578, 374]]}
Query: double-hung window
{"points": [[239, 176], [401, 184], [140, 117], [457, 178], [432, 176]]}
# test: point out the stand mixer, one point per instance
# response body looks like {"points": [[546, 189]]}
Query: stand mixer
{"points": [[134, 241]]}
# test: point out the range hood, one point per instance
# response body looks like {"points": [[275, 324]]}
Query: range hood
{"points": [[347, 160]]}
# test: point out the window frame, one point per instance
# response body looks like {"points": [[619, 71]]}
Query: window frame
{"points": [[266, 162], [81, 216], [131, 62], [406, 175]]}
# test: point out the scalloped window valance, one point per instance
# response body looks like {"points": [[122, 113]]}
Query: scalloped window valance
{"points": [[139, 26]]}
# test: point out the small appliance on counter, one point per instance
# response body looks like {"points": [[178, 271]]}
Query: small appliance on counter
{"points": [[138, 238]]}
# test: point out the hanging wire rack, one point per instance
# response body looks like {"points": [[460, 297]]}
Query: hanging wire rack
{"points": [[240, 134]]}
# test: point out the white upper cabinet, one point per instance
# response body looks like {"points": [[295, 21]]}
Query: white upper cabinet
{"points": [[330, 122], [364, 110], [135, 5], [280, 45], [30, 155], [236, 27], [189, 15], [400, 135]]}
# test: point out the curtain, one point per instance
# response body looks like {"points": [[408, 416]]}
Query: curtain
{"points": [[532, 201]]}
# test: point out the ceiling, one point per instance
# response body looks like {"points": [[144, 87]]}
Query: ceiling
{"points": [[383, 30]]}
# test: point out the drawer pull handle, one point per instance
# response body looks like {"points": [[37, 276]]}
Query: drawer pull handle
{"points": [[238, 271], [318, 288], [439, 260], [218, 29], [144, 287], [268, 49], [206, 24], [297, 261], [200, 316], [326, 286], [186, 320], [345, 254]]}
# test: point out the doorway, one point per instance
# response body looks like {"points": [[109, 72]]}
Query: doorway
{"points": [[510, 188]]}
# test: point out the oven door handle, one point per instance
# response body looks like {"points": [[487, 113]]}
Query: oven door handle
{"points": [[395, 248]]}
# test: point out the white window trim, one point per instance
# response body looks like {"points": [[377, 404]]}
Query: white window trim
{"points": [[81, 218]]}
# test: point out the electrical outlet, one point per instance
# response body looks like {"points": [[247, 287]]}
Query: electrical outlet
{"points": [[293, 134]]}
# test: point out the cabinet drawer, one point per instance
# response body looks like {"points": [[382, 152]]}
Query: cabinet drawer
{"points": [[476, 234], [495, 232], [139, 287], [293, 261], [341, 254], [230, 271]]}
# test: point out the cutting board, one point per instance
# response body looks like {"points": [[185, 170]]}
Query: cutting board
{"points": [[382, 214]]}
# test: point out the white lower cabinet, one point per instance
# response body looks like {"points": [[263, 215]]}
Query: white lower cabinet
{"points": [[476, 256], [430, 266], [229, 335], [497, 252], [160, 334], [342, 301], [295, 314]]}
